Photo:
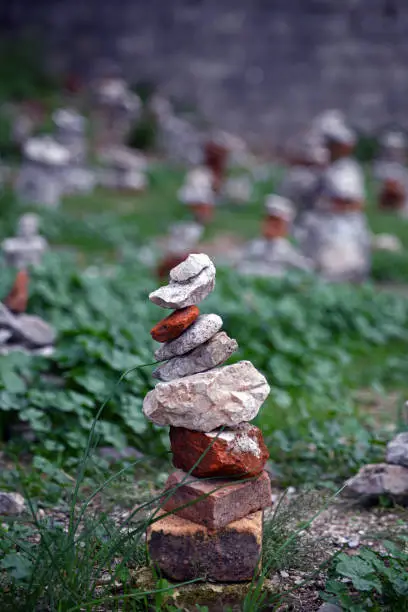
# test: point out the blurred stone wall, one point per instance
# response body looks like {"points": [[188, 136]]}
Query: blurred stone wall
{"points": [[259, 67]]}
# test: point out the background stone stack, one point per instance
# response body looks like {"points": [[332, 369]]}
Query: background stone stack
{"points": [[218, 537]]}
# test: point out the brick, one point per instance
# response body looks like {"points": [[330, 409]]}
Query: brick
{"points": [[223, 501], [183, 550], [233, 452]]}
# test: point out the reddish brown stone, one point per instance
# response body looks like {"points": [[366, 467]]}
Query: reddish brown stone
{"points": [[216, 502], [203, 213], [183, 550], [392, 196], [17, 299], [175, 324], [236, 452]]}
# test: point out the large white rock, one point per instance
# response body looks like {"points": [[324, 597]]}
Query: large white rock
{"points": [[195, 284], [205, 357], [190, 267], [203, 328], [224, 396]]}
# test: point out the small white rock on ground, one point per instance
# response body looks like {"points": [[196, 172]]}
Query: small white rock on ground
{"points": [[212, 353], [191, 267], [11, 504], [203, 328], [224, 396], [179, 295], [397, 450]]}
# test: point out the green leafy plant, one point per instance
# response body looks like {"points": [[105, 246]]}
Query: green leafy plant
{"points": [[370, 580]]}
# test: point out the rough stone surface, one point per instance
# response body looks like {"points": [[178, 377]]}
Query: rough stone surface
{"points": [[237, 452], [375, 480], [397, 450], [17, 299], [11, 504], [205, 357], [191, 267], [224, 396], [222, 501], [181, 294], [175, 324], [212, 596], [204, 328], [184, 550]]}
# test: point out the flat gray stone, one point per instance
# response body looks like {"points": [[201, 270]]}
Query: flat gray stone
{"points": [[11, 504], [28, 330], [328, 607], [397, 450], [202, 402], [189, 292], [204, 328], [34, 331], [380, 479], [205, 357], [190, 268]]}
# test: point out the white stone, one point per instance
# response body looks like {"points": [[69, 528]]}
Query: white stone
{"points": [[11, 504], [191, 267], [205, 357], [46, 150], [28, 247], [226, 396], [179, 295], [386, 242], [272, 257], [203, 328], [397, 450]]}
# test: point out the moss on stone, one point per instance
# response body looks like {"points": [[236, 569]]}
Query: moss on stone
{"points": [[216, 596]]}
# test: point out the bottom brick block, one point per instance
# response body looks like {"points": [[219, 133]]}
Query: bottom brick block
{"points": [[183, 550]]}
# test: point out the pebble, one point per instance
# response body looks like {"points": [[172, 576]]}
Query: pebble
{"points": [[175, 324], [204, 328], [190, 267], [212, 353], [189, 293]]}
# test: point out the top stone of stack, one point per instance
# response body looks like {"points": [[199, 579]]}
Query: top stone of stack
{"points": [[190, 283]]}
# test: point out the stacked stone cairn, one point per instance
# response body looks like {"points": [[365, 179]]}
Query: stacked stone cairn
{"points": [[210, 519]]}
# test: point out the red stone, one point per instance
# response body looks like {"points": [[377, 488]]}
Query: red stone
{"points": [[183, 550], [392, 196], [203, 213], [215, 502], [239, 452], [175, 324], [17, 299]]}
